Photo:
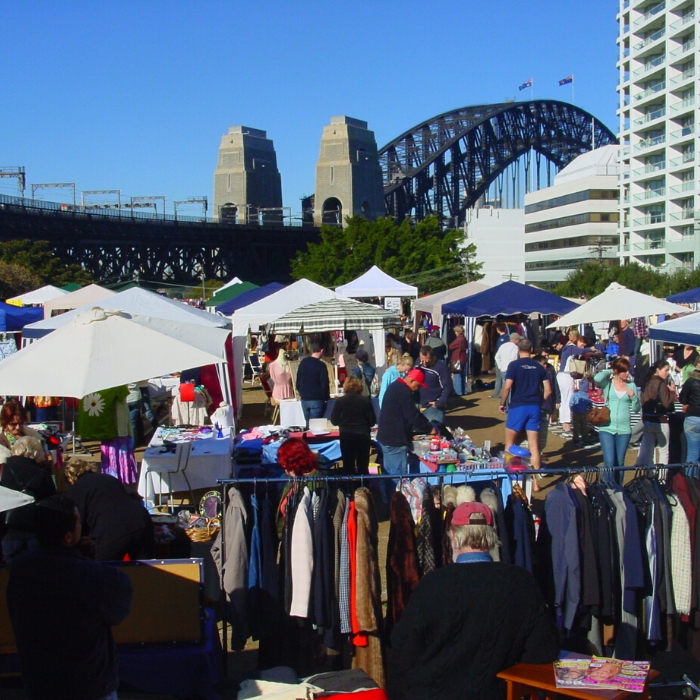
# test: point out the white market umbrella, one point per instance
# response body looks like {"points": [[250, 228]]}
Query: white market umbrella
{"points": [[10, 499], [335, 315], [616, 303], [99, 349]]}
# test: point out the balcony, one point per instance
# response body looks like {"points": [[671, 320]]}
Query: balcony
{"points": [[649, 65], [688, 186], [624, 78], [684, 215], [650, 143], [685, 132], [683, 77], [651, 90], [649, 40], [656, 246], [683, 245], [649, 194], [650, 168], [649, 15], [656, 114], [685, 158], [651, 219], [683, 49], [682, 22], [685, 105]]}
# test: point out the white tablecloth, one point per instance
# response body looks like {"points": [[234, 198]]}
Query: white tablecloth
{"points": [[199, 462], [291, 413]]}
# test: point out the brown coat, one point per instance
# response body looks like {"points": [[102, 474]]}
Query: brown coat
{"points": [[369, 658], [402, 571]]}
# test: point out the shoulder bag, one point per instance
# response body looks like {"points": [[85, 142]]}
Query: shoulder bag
{"points": [[600, 416]]}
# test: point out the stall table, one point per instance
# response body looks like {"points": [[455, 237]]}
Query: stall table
{"points": [[292, 415], [190, 464]]}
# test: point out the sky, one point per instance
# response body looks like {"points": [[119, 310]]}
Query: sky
{"points": [[135, 95]]}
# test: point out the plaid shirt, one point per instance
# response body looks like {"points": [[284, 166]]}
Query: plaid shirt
{"points": [[344, 580], [681, 559], [639, 326]]}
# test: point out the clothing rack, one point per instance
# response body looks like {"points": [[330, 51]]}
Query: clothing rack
{"points": [[452, 477]]}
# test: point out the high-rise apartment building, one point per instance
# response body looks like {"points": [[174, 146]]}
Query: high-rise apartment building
{"points": [[658, 111]]}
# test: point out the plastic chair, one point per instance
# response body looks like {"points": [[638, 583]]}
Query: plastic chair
{"points": [[255, 367], [270, 407], [166, 471]]}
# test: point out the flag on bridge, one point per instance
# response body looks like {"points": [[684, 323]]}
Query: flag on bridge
{"points": [[526, 84], [567, 80]]}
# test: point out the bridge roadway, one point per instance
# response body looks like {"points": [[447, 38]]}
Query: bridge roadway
{"points": [[114, 247]]}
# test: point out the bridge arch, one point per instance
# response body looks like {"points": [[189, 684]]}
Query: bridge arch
{"points": [[442, 166]]}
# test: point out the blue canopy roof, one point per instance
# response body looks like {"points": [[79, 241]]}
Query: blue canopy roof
{"points": [[688, 297], [15, 318], [684, 330], [249, 297], [507, 299]]}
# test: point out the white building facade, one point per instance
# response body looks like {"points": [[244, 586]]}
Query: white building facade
{"points": [[498, 237], [574, 220], [658, 133]]}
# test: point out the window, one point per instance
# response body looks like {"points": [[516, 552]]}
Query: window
{"points": [[571, 199], [572, 221]]}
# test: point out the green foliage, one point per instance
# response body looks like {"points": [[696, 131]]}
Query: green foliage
{"points": [[420, 254], [16, 280], [40, 266], [592, 279]]}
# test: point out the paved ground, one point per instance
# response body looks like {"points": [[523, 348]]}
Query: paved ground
{"points": [[478, 415]]}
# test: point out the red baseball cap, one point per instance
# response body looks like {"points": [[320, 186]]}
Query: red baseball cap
{"points": [[417, 375], [472, 513]]}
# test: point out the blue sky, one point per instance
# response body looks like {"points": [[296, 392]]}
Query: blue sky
{"points": [[135, 94]]}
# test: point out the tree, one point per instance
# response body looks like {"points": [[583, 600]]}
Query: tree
{"points": [[421, 254], [39, 263], [16, 280]]}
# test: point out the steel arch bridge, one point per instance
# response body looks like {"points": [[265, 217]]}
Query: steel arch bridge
{"points": [[444, 165]]}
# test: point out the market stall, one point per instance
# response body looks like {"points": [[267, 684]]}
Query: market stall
{"points": [[91, 294], [432, 304], [376, 283], [38, 297]]}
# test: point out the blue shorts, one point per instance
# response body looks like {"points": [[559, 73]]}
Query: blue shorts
{"points": [[523, 418]]}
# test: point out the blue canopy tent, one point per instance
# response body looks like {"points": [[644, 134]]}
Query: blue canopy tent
{"points": [[684, 330], [507, 299], [15, 318], [691, 296], [247, 298]]}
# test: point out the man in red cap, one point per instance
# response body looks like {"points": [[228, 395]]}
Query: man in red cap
{"points": [[399, 420], [469, 620]]}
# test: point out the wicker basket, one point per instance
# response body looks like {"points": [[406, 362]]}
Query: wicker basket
{"points": [[204, 534]]}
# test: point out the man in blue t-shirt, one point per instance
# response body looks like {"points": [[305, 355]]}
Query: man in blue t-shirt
{"points": [[527, 385]]}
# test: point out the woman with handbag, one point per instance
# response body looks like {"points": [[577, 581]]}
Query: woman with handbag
{"points": [[620, 399], [458, 361], [575, 346], [690, 398], [657, 401]]}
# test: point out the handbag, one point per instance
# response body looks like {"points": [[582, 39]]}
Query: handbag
{"points": [[576, 366], [456, 366], [599, 416]]}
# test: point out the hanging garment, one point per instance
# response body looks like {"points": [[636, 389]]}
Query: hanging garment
{"points": [[425, 538], [302, 557], [521, 534], [681, 559], [344, 574], [402, 569], [369, 656], [235, 570]]}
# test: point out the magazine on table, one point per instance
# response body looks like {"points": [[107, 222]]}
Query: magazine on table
{"points": [[601, 673]]}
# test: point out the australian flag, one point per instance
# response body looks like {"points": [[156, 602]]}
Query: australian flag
{"points": [[567, 80], [526, 84]]}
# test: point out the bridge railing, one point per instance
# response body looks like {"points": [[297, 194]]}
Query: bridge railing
{"points": [[77, 210]]}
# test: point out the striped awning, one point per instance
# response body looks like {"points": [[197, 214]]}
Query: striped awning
{"points": [[335, 315]]}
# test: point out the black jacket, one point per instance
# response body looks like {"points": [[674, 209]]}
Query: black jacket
{"points": [[24, 474], [399, 419], [464, 624], [312, 380], [353, 413], [62, 608], [690, 394], [107, 511], [439, 383]]}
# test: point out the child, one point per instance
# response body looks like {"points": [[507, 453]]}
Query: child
{"points": [[613, 349], [580, 404]]}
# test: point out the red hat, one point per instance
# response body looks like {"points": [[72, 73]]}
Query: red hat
{"points": [[417, 375], [472, 513]]}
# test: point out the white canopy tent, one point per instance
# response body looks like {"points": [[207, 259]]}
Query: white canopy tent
{"points": [[10, 499], [617, 303], [99, 349], [134, 301], [265, 311], [376, 283], [432, 304], [87, 295], [38, 296]]}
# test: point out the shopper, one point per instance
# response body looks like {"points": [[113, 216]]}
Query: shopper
{"points": [[354, 414], [438, 385], [658, 398], [580, 404], [458, 361], [621, 399], [690, 398], [313, 385]]}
